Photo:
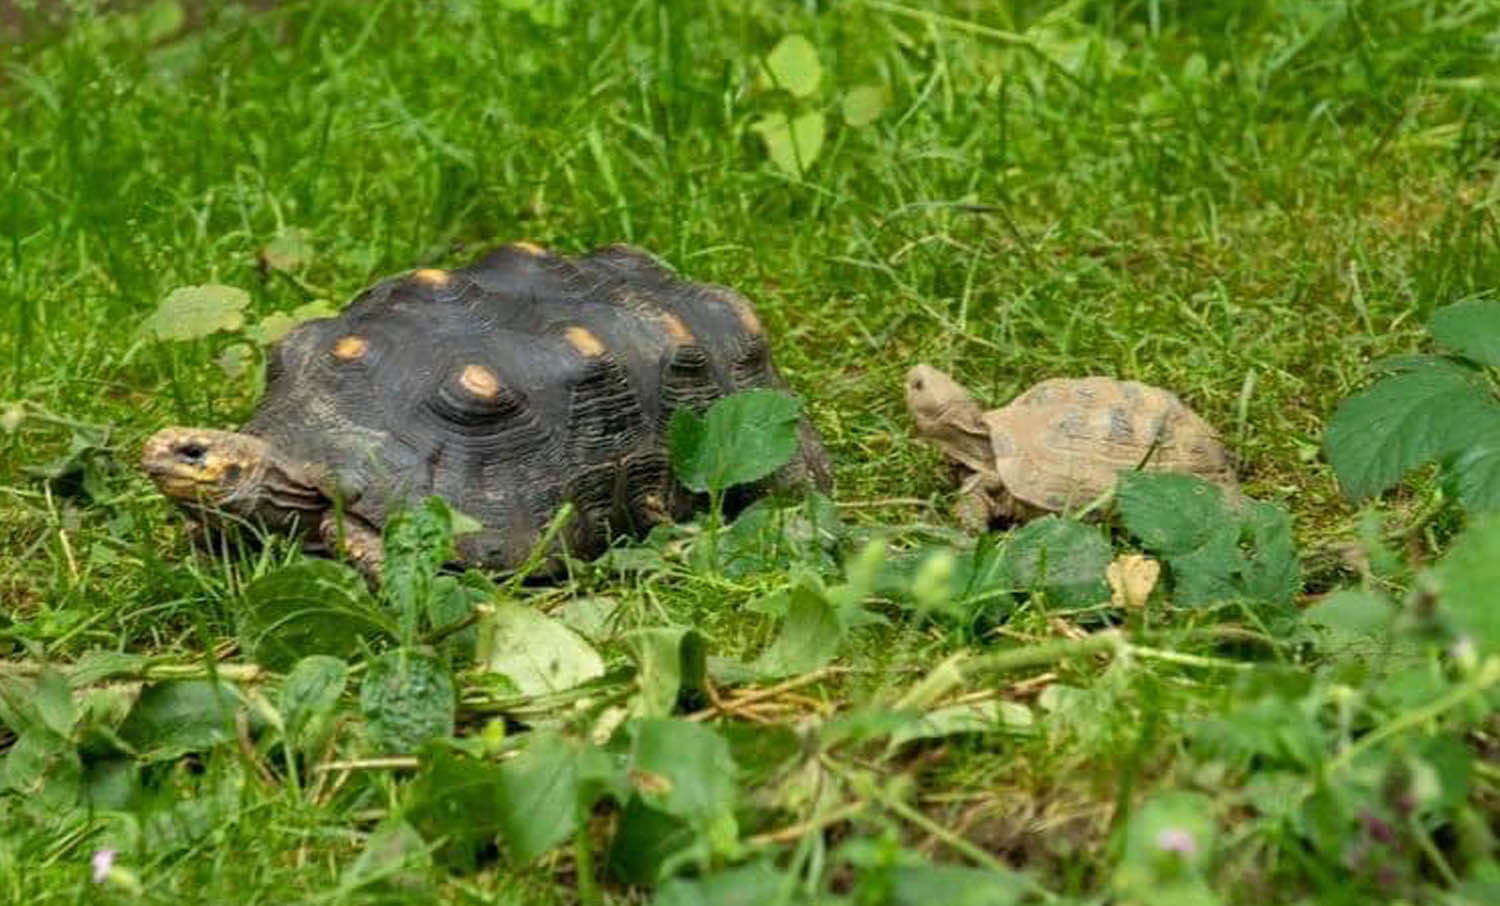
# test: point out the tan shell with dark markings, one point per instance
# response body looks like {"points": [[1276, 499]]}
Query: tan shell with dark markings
{"points": [[1063, 442]]}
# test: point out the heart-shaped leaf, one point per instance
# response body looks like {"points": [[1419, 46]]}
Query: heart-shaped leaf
{"points": [[793, 66], [793, 144]]}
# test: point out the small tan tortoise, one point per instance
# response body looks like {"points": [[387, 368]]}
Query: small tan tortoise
{"points": [[1061, 444], [509, 387]]}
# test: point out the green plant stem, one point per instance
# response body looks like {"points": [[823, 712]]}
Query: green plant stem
{"points": [[866, 786], [583, 861], [1487, 676]]}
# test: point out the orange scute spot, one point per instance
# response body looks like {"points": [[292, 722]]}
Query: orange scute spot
{"points": [[431, 276], [677, 330], [350, 348], [584, 341], [479, 381]]}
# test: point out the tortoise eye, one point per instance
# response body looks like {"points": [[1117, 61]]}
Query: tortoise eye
{"points": [[191, 453]]}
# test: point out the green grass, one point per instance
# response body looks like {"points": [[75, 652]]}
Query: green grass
{"points": [[1243, 201]]}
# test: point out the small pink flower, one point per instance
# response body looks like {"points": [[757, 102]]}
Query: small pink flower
{"points": [[1176, 840], [103, 861]]}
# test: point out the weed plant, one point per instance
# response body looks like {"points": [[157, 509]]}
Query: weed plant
{"points": [[845, 700]]}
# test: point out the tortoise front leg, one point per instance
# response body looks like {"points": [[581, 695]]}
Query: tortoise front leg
{"points": [[356, 539], [980, 502]]}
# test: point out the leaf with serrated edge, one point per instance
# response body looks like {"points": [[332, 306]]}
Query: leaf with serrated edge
{"points": [[793, 65], [537, 653], [1068, 559], [1471, 329], [1404, 421], [1478, 472], [741, 439], [192, 312], [1169, 512]]}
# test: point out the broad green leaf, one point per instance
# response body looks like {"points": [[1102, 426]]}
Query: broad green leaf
{"points": [[418, 541], [1066, 559], [278, 324], [1352, 621], [54, 702], [1404, 421], [668, 660], [647, 842], [863, 104], [547, 787], [685, 769], [809, 638], [793, 66], [1468, 576], [741, 439], [459, 800], [394, 861], [309, 607], [99, 665], [288, 251], [407, 698], [1220, 571], [310, 694], [453, 601], [171, 719], [1471, 329], [747, 885], [1170, 512], [793, 145], [191, 312], [41, 765], [1477, 472], [534, 651], [1217, 551]]}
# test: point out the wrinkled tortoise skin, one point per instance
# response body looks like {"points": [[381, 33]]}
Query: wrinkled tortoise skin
{"points": [[512, 385]]}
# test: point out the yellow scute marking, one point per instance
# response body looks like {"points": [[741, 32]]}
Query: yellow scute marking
{"points": [[746, 313], [677, 330], [584, 341], [350, 348], [479, 381], [530, 248], [431, 276]]}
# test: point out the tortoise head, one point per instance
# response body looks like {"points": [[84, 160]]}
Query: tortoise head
{"points": [[945, 414], [208, 471]]}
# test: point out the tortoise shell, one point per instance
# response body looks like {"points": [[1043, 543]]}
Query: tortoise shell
{"points": [[514, 384], [1064, 441]]}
